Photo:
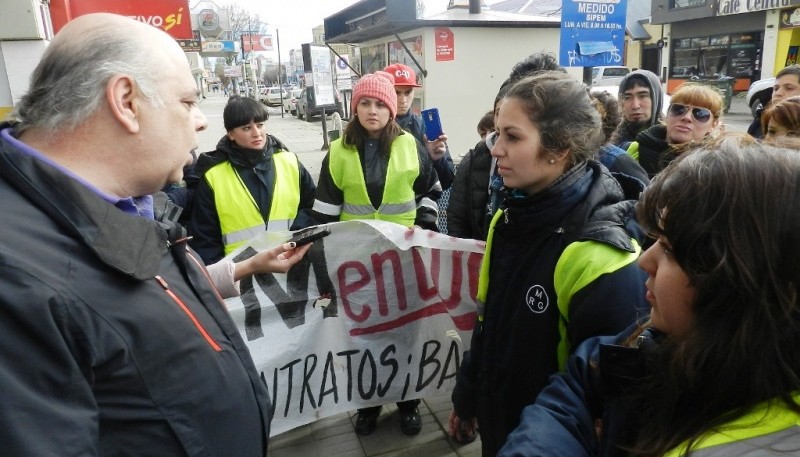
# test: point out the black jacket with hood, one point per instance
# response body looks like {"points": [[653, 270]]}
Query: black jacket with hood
{"points": [[445, 170], [514, 349], [467, 213], [654, 151], [258, 175], [114, 339], [626, 132]]}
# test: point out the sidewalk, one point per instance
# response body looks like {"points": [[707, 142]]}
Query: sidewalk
{"points": [[334, 436]]}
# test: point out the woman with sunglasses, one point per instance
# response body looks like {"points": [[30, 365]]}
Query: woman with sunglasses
{"points": [[559, 265], [693, 115], [715, 371]]}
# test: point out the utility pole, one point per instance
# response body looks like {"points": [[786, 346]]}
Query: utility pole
{"points": [[280, 69]]}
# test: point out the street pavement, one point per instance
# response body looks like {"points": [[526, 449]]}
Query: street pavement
{"points": [[334, 436]]}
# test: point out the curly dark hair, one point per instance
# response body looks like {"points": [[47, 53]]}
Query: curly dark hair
{"points": [[729, 211], [608, 107]]}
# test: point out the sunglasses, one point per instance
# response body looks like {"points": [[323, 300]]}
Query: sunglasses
{"points": [[701, 115]]}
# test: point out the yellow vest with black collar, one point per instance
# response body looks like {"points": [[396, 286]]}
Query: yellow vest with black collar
{"points": [[240, 218], [398, 204]]}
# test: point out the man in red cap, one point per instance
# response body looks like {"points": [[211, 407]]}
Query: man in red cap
{"points": [[405, 80]]}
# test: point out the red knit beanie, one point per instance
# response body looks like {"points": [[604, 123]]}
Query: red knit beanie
{"points": [[378, 85]]}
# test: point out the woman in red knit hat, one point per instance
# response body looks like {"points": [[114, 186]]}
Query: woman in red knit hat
{"points": [[378, 171]]}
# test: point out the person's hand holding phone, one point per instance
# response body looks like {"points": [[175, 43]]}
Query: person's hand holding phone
{"points": [[276, 260], [434, 134], [436, 148]]}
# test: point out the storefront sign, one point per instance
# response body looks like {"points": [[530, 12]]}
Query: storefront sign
{"points": [[445, 44], [728, 7], [208, 20], [218, 46], [592, 32], [232, 71], [190, 45], [790, 18], [257, 43], [171, 16], [344, 80]]}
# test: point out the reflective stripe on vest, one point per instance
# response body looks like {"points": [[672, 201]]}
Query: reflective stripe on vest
{"points": [[771, 428], [581, 263], [398, 204], [240, 218], [483, 277]]}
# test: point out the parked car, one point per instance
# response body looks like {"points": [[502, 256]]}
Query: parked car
{"points": [[759, 94], [271, 96], [290, 102], [608, 76], [305, 100]]}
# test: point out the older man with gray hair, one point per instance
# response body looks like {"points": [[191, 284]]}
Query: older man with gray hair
{"points": [[114, 340]]}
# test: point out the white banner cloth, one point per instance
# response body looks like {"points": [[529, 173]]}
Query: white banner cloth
{"points": [[373, 314]]}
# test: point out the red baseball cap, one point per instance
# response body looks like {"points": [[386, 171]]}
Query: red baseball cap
{"points": [[403, 75]]}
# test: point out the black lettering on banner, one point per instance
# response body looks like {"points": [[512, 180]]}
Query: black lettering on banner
{"points": [[290, 366], [428, 360], [273, 393], [366, 395], [408, 380], [349, 371], [328, 368], [391, 362], [306, 387], [291, 303], [430, 368], [252, 307], [452, 354]]}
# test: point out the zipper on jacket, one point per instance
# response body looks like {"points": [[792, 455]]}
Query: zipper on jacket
{"points": [[189, 313]]}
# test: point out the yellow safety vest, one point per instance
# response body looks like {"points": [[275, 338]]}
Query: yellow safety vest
{"points": [[398, 204], [240, 218], [771, 426]]}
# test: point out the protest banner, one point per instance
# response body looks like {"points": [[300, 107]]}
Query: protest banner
{"points": [[375, 313]]}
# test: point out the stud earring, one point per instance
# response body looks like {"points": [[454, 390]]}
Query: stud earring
{"points": [[552, 161]]}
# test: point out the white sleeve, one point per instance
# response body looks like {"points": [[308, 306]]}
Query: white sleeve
{"points": [[221, 274]]}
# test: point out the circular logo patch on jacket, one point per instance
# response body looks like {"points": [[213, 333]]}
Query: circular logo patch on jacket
{"points": [[537, 299]]}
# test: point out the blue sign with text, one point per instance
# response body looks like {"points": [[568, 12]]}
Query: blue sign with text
{"points": [[592, 32]]}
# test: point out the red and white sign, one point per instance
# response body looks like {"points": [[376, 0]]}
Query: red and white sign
{"points": [[171, 16], [444, 42], [257, 43]]}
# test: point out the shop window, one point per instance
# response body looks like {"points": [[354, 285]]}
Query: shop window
{"points": [[716, 56]]}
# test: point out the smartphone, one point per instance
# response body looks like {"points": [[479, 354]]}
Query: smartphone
{"points": [[433, 125], [306, 236]]}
